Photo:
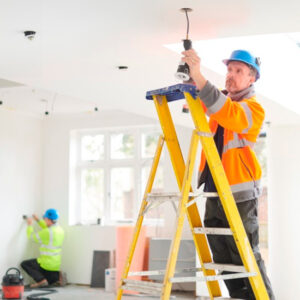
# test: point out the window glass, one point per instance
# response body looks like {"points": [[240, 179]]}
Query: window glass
{"points": [[149, 144], [122, 193], [122, 146], [92, 195], [156, 212], [92, 147], [158, 183]]}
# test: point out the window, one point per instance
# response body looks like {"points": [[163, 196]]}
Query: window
{"points": [[122, 193], [122, 146], [92, 147], [108, 173], [92, 193]]}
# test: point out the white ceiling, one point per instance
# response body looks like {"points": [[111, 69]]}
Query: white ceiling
{"points": [[71, 65]]}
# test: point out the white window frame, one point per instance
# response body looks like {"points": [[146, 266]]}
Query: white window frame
{"points": [[137, 163]]}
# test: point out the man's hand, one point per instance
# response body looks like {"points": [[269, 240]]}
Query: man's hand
{"points": [[35, 217], [29, 221], [193, 60]]}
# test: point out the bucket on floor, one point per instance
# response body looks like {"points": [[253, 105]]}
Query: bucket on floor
{"points": [[110, 280]]}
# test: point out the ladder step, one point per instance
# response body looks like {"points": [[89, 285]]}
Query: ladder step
{"points": [[225, 267], [142, 286], [162, 272], [213, 278], [213, 230], [163, 196], [140, 289], [208, 266], [177, 195], [217, 298]]}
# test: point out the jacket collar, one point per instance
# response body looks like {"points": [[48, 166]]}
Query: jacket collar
{"points": [[246, 93]]}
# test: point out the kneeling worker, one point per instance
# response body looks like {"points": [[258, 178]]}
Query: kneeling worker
{"points": [[45, 269]]}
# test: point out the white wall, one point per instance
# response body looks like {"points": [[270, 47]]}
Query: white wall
{"points": [[284, 210], [81, 241], [20, 178]]}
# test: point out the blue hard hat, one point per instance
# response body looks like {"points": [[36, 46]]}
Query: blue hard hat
{"points": [[51, 214], [245, 57]]}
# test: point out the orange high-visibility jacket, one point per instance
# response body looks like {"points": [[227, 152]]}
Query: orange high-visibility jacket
{"points": [[242, 117]]}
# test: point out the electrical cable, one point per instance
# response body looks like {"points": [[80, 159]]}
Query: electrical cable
{"points": [[188, 24], [39, 296]]}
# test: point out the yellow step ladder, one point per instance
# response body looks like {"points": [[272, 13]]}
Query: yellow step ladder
{"points": [[187, 206]]}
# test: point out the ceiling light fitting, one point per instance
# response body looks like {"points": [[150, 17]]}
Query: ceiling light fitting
{"points": [[183, 70], [29, 34], [122, 67]]}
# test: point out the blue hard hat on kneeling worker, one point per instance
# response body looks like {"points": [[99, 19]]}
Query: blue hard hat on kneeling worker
{"points": [[51, 214], [245, 57]]}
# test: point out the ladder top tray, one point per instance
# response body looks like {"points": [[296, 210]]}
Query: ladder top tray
{"points": [[173, 92]]}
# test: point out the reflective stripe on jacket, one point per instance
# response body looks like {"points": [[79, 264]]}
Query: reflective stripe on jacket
{"points": [[50, 240], [242, 117]]}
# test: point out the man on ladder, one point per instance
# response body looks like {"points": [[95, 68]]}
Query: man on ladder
{"points": [[235, 119]]}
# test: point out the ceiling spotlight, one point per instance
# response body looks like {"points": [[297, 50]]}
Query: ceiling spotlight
{"points": [[1, 102], [30, 34], [46, 113], [122, 67], [96, 108]]}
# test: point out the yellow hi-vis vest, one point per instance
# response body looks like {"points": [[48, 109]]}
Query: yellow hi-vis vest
{"points": [[50, 240]]}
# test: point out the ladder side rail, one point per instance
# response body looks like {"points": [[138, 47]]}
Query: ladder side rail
{"points": [[178, 164], [181, 213], [226, 197], [140, 218], [200, 241], [170, 135]]}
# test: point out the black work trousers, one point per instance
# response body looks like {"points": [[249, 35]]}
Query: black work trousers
{"points": [[224, 249], [34, 270]]}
